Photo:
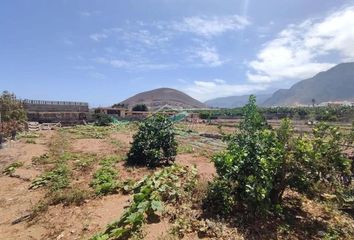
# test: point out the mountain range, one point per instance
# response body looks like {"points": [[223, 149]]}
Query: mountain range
{"points": [[335, 84]]}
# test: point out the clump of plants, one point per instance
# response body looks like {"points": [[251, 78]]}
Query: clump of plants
{"points": [[105, 179], [10, 169], [149, 197], [102, 119], [260, 163], [56, 179], [154, 143]]}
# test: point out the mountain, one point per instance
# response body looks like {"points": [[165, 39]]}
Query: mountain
{"points": [[157, 98], [335, 84], [235, 101]]}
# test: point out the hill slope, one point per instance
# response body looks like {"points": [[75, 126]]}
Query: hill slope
{"points": [[157, 98], [335, 84], [235, 101]]}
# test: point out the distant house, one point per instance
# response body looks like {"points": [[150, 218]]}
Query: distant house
{"points": [[56, 111], [336, 104], [118, 112]]}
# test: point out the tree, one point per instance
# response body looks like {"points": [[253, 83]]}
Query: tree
{"points": [[154, 143], [140, 107], [11, 109]]}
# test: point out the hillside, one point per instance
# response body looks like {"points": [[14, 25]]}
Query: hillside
{"points": [[235, 101], [157, 98], [335, 84]]}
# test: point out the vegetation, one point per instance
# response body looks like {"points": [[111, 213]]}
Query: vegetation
{"points": [[140, 107], [12, 114], [261, 163], [56, 179], [102, 119], [11, 108], [148, 201], [10, 169], [154, 143], [330, 114], [105, 179]]}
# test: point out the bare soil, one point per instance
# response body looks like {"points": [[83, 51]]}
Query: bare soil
{"points": [[82, 222]]}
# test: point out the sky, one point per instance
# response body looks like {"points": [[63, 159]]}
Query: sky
{"points": [[104, 51]]}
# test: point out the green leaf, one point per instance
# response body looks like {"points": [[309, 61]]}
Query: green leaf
{"points": [[157, 206]]}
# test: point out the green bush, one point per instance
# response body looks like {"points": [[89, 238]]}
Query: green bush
{"points": [[261, 163], [220, 198], [102, 119], [154, 143]]}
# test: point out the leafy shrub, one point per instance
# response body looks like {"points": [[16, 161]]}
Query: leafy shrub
{"points": [[154, 143], [11, 108], [102, 119], [220, 199], [260, 163]]}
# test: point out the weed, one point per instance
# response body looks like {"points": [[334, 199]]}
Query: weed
{"points": [[40, 207], [10, 169], [185, 149], [55, 179], [41, 160], [84, 161], [104, 181], [30, 141], [72, 196]]}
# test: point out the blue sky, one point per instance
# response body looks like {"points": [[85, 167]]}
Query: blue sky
{"points": [[105, 51]]}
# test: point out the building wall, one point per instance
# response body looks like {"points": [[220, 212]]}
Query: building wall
{"points": [[54, 106]]}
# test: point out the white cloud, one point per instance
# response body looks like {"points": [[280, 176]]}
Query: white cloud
{"points": [[211, 26], [205, 90], [98, 36], [297, 50], [133, 65], [145, 37], [208, 55]]}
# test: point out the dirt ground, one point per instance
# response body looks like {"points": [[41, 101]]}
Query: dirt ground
{"points": [[82, 222], [70, 222]]}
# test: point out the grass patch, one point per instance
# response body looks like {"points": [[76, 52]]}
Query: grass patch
{"points": [[56, 179], [10, 169]]}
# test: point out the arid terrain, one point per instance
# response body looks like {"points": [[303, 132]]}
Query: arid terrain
{"points": [[31, 209]]}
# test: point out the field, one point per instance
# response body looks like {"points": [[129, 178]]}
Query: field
{"points": [[51, 188]]}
